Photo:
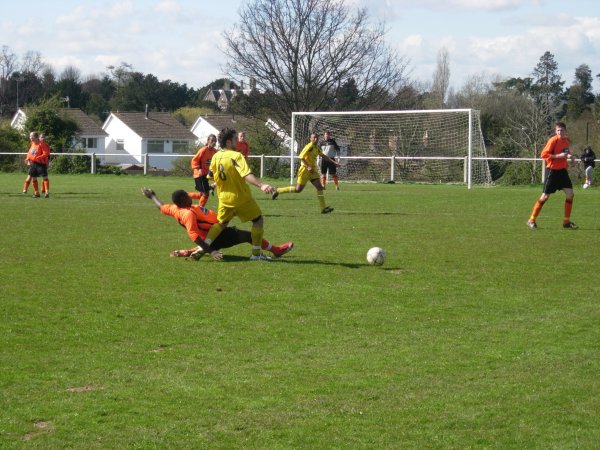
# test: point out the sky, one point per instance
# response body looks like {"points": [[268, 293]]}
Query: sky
{"points": [[180, 40]]}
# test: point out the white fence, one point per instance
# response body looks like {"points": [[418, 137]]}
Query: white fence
{"points": [[391, 161]]}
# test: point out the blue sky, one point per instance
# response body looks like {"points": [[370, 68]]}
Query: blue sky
{"points": [[180, 39]]}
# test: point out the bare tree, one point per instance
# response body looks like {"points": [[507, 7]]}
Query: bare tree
{"points": [[33, 63], [8, 62], [441, 78], [303, 51], [71, 73]]}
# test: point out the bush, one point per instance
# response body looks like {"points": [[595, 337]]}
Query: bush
{"points": [[71, 164], [181, 167], [109, 169], [517, 174]]}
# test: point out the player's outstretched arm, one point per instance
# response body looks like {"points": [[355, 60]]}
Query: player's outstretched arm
{"points": [[149, 193], [266, 188]]}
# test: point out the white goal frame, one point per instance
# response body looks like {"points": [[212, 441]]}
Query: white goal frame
{"points": [[472, 148]]}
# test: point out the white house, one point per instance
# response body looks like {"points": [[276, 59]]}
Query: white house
{"points": [[213, 124], [89, 137], [132, 135]]}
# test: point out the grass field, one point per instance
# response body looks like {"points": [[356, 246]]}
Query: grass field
{"points": [[476, 333]]}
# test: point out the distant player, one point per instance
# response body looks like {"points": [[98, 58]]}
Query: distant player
{"points": [[197, 220], [588, 158], [308, 171], [330, 148], [37, 159], [201, 165], [231, 174], [557, 155], [242, 145]]}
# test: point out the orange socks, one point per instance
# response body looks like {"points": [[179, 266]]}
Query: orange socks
{"points": [[536, 210], [568, 207]]}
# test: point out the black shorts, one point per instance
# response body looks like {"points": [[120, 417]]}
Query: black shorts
{"points": [[229, 237], [38, 170], [556, 181], [202, 185], [326, 166]]}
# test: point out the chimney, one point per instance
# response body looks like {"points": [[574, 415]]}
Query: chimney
{"points": [[226, 85], [146, 110], [253, 84]]}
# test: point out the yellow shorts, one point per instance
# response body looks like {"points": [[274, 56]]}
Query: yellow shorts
{"points": [[304, 176], [245, 212]]}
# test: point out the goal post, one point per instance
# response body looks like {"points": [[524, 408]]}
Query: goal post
{"points": [[428, 146]]}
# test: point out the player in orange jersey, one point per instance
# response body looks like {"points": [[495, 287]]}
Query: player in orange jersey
{"points": [[46, 181], [242, 145], [198, 220], [37, 159], [201, 163], [557, 155]]}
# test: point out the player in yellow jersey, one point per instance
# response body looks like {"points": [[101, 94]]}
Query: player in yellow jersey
{"points": [[308, 171], [231, 174]]}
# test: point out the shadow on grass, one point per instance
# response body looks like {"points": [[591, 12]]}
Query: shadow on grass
{"points": [[236, 258]]}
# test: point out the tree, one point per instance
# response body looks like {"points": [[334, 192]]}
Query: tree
{"points": [[301, 52], [547, 88], [441, 78], [579, 95], [48, 118]]}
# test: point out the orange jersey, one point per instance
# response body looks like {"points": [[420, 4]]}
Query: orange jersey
{"points": [[555, 146], [201, 162], [243, 148], [39, 152], [197, 220], [46, 153]]}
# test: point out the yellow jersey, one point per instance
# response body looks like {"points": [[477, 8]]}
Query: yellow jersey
{"points": [[228, 168], [310, 153]]}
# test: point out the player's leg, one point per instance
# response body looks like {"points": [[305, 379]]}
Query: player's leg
{"points": [[26, 184], [333, 173], [36, 187], [569, 194], [588, 175], [320, 196], [537, 208], [300, 183], [323, 166], [202, 186]]}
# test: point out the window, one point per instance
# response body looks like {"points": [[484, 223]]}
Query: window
{"points": [[156, 146], [90, 143], [180, 146], [121, 144]]}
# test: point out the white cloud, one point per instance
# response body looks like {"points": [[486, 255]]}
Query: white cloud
{"points": [[170, 7]]}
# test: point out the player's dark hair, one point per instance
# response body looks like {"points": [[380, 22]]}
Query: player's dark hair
{"points": [[179, 198], [561, 125], [225, 135]]}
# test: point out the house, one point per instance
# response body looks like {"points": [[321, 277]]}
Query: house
{"points": [[133, 135], [89, 137], [213, 124], [223, 97]]}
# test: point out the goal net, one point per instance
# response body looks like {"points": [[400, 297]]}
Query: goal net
{"points": [[432, 146]]}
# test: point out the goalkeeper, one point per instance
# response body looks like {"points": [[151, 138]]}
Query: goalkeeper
{"points": [[197, 220], [330, 148]]}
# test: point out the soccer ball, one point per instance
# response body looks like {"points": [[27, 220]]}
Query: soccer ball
{"points": [[585, 185], [376, 256]]}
